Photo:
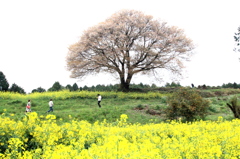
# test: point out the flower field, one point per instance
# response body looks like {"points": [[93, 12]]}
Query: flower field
{"points": [[36, 137], [66, 94]]}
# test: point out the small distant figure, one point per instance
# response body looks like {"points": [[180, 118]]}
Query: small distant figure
{"points": [[50, 103], [28, 107], [192, 85], [99, 100]]}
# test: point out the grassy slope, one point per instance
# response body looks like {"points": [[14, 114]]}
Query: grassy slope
{"points": [[112, 108], [86, 109]]}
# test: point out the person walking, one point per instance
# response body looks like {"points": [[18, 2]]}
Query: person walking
{"points": [[28, 107], [192, 85], [50, 103], [99, 100]]}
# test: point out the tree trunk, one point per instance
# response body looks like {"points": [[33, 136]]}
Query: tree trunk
{"points": [[124, 86], [235, 108]]}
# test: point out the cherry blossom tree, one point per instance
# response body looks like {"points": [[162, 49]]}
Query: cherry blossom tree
{"points": [[128, 43]]}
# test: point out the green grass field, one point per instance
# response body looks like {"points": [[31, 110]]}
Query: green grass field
{"points": [[87, 109], [142, 109]]}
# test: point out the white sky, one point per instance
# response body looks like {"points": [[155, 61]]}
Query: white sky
{"points": [[35, 36]]}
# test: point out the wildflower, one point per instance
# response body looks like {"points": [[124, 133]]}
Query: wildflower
{"points": [[123, 117], [50, 116]]}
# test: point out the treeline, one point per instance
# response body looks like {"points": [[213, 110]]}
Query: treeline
{"points": [[231, 85], [134, 87], [4, 86], [58, 87]]}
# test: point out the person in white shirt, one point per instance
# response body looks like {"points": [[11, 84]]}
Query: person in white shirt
{"points": [[50, 103], [99, 100]]}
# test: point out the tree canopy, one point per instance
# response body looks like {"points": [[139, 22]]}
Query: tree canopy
{"points": [[75, 87], [56, 87], [128, 43], [39, 89], [15, 88], [3, 82]]}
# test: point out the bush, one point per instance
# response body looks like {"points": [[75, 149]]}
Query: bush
{"points": [[187, 103], [140, 107]]}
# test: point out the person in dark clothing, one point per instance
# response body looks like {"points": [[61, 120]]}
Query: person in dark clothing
{"points": [[192, 85]]}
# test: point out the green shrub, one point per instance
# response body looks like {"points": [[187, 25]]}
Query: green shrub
{"points": [[158, 107], [140, 107], [164, 99], [186, 103]]}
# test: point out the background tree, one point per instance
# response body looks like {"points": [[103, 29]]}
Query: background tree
{"points": [[153, 86], [3, 82], [231, 85], [69, 87], [39, 89], [237, 40], [173, 84], [75, 87], [127, 43], [56, 87], [85, 88], [16, 88], [100, 87]]}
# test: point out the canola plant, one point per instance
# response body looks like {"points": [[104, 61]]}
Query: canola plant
{"points": [[35, 137]]}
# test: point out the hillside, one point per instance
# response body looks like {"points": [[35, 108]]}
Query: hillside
{"points": [[140, 107]]}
